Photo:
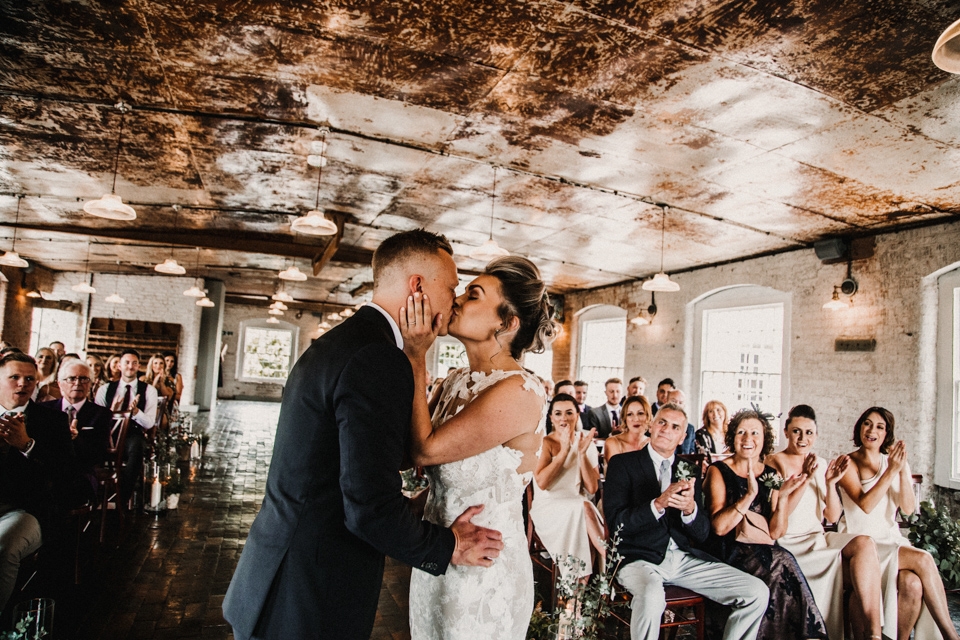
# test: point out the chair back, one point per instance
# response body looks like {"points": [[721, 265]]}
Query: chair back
{"points": [[118, 438]]}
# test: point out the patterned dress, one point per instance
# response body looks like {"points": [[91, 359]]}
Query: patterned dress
{"points": [[792, 612], [479, 603]]}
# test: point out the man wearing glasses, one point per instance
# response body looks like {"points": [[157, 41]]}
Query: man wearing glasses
{"points": [[89, 423]]}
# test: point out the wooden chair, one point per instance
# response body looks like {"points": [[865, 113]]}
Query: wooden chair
{"points": [[110, 476], [538, 552], [677, 599]]}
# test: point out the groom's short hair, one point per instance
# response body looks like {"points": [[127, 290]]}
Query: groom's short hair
{"points": [[405, 245]]}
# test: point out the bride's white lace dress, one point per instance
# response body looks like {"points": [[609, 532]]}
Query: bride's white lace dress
{"points": [[477, 602]]}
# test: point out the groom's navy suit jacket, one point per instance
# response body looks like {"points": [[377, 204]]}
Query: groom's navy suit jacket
{"points": [[631, 484], [313, 562]]}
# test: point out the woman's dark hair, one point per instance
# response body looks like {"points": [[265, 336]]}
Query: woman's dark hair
{"points": [[746, 414], [887, 417], [524, 297], [643, 402], [172, 371], [562, 397], [800, 411]]}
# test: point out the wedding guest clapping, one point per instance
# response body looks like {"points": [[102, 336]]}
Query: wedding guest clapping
{"points": [[711, 437], [747, 503], [874, 486], [830, 561], [635, 417], [567, 473], [170, 359], [98, 375], [653, 502], [47, 387]]}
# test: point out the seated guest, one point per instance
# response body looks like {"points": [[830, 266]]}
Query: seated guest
{"points": [[635, 418], [664, 388], [581, 387], [710, 438], [157, 377], [170, 359], [59, 349], [89, 425], [636, 387], [47, 387], [35, 460], [566, 474], [830, 561], [748, 513], [689, 444], [98, 375], [564, 386], [874, 486], [113, 368], [605, 418], [660, 519], [134, 395]]}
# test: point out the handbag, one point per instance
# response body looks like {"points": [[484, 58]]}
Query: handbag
{"points": [[753, 529]]}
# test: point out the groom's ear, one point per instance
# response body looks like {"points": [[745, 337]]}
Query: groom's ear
{"points": [[415, 284]]}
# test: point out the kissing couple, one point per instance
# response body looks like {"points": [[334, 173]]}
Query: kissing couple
{"points": [[354, 408]]}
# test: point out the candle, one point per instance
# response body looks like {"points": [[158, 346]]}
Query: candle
{"points": [[155, 491], [195, 450]]}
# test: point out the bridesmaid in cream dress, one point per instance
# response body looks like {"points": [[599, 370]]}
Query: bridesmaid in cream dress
{"points": [[830, 561], [567, 473], [874, 487]]}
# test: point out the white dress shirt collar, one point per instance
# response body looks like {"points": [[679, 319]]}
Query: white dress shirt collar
{"points": [[393, 323], [64, 404], [19, 409]]}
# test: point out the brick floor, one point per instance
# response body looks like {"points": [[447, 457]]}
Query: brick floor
{"points": [[166, 577]]}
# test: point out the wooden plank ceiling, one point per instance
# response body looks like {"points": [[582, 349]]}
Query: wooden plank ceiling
{"points": [[764, 126]]}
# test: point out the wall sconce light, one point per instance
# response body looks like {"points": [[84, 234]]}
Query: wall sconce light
{"points": [[647, 315], [848, 287]]}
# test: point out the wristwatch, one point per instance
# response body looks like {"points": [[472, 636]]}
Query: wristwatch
{"points": [[29, 446]]}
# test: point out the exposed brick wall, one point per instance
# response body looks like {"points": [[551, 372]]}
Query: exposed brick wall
{"points": [[17, 309], [840, 386]]}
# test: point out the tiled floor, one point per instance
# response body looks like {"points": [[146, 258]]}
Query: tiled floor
{"points": [[168, 576]]}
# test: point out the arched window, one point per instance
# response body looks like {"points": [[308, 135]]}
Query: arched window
{"points": [[603, 345], [948, 380], [741, 357]]}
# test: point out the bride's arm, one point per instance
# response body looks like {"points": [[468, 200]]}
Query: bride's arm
{"points": [[504, 411]]}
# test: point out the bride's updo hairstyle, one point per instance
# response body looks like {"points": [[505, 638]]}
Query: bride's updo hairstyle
{"points": [[524, 296]]}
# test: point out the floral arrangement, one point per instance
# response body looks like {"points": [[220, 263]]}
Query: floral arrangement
{"points": [[21, 631], [686, 470], [413, 482], [935, 531]]}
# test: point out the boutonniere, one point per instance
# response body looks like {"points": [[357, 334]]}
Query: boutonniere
{"points": [[771, 480], [686, 470]]}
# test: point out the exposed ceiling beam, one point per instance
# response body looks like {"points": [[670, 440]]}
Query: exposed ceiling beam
{"points": [[320, 261]]}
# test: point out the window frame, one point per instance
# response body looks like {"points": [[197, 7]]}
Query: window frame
{"points": [[947, 457], [596, 314], [293, 329]]}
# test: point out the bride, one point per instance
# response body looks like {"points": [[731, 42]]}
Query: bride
{"points": [[480, 447]]}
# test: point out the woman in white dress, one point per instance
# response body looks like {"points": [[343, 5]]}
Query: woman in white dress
{"points": [[874, 486], [568, 468], [830, 561], [480, 448]]}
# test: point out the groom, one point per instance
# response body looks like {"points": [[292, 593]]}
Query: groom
{"points": [[313, 562]]}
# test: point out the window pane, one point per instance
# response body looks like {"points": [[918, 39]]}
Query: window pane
{"points": [[266, 353], [956, 383], [602, 351], [742, 357]]}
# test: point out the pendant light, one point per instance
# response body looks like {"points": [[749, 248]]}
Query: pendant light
{"points": [[281, 294], [12, 258], [275, 312], [110, 205], [316, 223], [205, 302], [346, 313], [170, 266], [293, 274], [946, 53], [114, 297], [661, 281], [85, 287], [196, 291], [279, 305], [490, 249], [272, 320]]}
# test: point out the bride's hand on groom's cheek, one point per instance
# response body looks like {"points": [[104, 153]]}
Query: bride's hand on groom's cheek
{"points": [[418, 327], [476, 546]]}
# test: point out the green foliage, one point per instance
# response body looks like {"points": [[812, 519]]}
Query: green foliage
{"points": [[935, 531], [542, 626]]}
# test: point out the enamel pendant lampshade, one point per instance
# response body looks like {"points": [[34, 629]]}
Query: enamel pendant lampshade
{"points": [[205, 302], [293, 274], [490, 249], [110, 205], [282, 296], [946, 53], [196, 291], [114, 297], [316, 223], [170, 266], [12, 258], [84, 287], [661, 281], [272, 320]]}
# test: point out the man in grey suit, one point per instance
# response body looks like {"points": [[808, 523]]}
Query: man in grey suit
{"points": [[313, 562], [607, 416]]}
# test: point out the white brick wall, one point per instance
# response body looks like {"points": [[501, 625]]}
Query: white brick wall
{"points": [[839, 386], [149, 298]]}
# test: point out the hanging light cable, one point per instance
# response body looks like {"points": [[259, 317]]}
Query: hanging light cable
{"points": [[110, 205], [85, 287], [316, 223], [196, 291], [490, 249], [170, 266], [661, 281], [12, 258], [115, 296]]}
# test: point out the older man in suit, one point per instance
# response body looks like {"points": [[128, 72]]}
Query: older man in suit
{"points": [[313, 562], [89, 424], [35, 462], [660, 519]]}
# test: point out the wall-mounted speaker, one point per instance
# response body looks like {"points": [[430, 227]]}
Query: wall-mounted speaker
{"points": [[832, 249]]}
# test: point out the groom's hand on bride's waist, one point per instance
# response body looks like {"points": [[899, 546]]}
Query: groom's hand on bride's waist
{"points": [[476, 546]]}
